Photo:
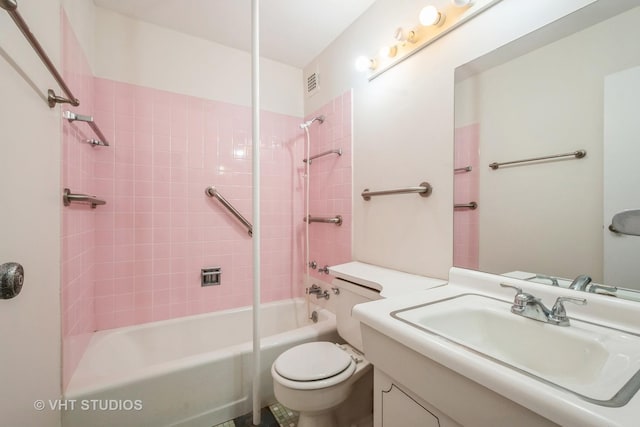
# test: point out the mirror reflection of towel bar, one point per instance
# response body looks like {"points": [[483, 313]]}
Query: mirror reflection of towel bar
{"points": [[463, 169], [470, 205], [577, 154], [424, 190]]}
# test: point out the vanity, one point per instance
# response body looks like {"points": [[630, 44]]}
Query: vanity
{"points": [[458, 355]]}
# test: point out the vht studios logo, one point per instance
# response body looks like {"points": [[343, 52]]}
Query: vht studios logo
{"points": [[88, 405]]}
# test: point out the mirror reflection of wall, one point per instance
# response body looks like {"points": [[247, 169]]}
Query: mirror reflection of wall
{"points": [[543, 217]]}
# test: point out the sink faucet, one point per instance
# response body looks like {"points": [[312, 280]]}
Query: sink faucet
{"points": [[580, 283], [527, 305]]}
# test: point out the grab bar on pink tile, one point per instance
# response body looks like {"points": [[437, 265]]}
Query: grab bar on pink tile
{"points": [[11, 6], [337, 220], [463, 169], [326, 153], [68, 197], [213, 192], [72, 117], [470, 205]]}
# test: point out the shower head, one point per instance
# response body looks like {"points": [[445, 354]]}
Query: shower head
{"points": [[306, 124]]}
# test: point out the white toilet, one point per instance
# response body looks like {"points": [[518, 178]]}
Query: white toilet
{"points": [[315, 378]]}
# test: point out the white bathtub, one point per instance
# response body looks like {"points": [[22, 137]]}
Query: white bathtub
{"points": [[192, 371]]}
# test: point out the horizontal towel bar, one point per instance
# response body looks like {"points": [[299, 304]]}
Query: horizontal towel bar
{"points": [[72, 117], [213, 192], [11, 6], [337, 220], [68, 197], [424, 190], [464, 169], [470, 205], [577, 154], [326, 153]]}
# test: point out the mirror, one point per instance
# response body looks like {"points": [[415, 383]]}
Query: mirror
{"points": [[570, 87]]}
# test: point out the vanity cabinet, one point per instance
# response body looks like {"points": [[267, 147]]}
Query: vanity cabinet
{"points": [[412, 390], [394, 407]]}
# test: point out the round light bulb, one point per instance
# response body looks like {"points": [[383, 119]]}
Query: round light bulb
{"points": [[461, 3], [363, 64], [429, 16]]}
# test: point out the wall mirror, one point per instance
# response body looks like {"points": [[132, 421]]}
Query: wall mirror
{"points": [[572, 86]]}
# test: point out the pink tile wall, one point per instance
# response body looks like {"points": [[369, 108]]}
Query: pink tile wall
{"points": [[466, 189], [331, 184], [78, 221], [160, 228], [138, 258]]}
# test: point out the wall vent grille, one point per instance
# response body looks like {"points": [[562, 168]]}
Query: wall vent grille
{"points": [[312, 84]]}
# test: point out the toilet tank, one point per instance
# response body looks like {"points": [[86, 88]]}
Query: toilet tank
{"points": [[350, 295]]}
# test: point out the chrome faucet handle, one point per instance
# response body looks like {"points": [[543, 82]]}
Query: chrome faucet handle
{"points": [[558, 313], [506, 285], [521, 298], [594, 288]]}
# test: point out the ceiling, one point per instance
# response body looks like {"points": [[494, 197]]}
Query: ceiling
{"points": [[291, 31]]}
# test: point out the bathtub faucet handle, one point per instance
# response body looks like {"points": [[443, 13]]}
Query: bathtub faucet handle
{"points": [[318, 292]]}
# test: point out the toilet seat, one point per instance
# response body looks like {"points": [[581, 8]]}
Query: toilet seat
{"points": [[313, 365]]}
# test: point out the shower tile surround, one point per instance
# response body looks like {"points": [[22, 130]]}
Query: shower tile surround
{"points": [[138, 258], [330, 182]]}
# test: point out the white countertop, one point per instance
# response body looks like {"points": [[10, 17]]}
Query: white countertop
{"points": [[557, 405]]}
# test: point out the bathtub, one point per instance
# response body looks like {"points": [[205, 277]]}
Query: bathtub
{"points": [[191, 371]]}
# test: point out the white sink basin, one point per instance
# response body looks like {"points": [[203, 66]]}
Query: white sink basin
{"points": [[600, 364]]}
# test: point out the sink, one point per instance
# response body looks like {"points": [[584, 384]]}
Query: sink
{"points": [[597, 363]]}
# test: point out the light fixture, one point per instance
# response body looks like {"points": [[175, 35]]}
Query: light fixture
{"points": [[388, 51], [363, 63], [402, 36], [430, 16], [409, 40]]}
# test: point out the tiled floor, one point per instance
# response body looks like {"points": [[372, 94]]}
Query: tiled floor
{"points": [[275, 415]]}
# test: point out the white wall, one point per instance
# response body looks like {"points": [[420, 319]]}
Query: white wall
{"points": [[404, 121], [30, 219], [82, 16], [132, 51], [549, 101]]}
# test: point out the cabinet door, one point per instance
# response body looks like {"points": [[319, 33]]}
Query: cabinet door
{"points": [[398, 409]]}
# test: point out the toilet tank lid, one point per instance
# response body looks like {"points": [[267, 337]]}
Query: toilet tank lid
{"points": [[389, 282]]}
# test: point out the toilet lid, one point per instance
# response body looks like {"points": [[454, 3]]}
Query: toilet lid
{"points": [[312, 361]]}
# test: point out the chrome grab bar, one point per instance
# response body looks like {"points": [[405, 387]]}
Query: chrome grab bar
{"points": [[424, 190], [577, 154], [463, 169], [11, 6], [213, 192], [326, 153], [470, 205], [68, 197], [72, 117], [337, 220]]}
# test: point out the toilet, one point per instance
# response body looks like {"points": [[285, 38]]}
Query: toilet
{"points": [[315, 378]]}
